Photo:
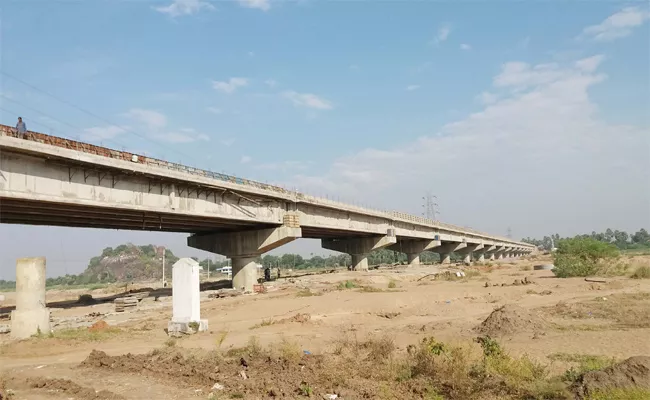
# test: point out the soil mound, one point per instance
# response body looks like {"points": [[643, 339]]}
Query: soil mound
{"points": [[70, 388], [99, 326], [510, 319], [631, 373]]}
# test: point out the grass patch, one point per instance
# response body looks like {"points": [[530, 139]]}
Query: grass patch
{"points": [[171, 342], [526, 268], [627, 310], [347, 285], [308, 293], [472, 273], [586, 363], [221, 337], [620, 394], [370, 289], [265, 322], [83, 334], [392, 284], [642, 272]]}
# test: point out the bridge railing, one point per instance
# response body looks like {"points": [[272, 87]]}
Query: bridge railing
{"points": [[128, 156]]}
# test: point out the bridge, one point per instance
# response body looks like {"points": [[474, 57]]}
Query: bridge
{"points": [[49, 180]]}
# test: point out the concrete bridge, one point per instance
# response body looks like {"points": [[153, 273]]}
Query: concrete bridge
{"points": [[47, 180]]}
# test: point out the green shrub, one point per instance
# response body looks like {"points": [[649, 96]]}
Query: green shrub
{"points": [[582, 257]]}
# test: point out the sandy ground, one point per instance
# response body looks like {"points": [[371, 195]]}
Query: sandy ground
{"points": [[416, 307]]}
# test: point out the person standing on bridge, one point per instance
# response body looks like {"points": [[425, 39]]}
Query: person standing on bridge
{"points": [[21, 129]]}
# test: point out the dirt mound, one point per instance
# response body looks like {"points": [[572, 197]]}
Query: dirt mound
{"points": [[510, 319], [86, 299], [70, 388], [631, 373], [99, 326]]}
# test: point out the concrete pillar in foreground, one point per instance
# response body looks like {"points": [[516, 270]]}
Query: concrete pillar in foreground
{"points": [[481, 258], [244, 248], [31, 315], [186, 298], [358, 248], [492, 256]]}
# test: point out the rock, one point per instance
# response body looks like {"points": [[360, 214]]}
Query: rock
{"points": [[517, 282], [631, 373], [217, 386], [243, 374]]}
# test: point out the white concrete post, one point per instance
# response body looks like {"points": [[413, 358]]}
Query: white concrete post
{"points": [[186, 298], [31, 314]]}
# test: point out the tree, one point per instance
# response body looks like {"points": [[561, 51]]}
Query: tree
{"points": [[641, 237], [581, 257], [609, 235]]}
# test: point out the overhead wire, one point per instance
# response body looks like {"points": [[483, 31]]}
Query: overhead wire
{"points": [[59, 121], [92, 114]]}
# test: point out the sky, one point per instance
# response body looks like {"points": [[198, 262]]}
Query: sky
{"points": [[531, 117]]}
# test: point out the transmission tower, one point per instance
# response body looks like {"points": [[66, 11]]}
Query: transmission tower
{"points": [[509, 234], [430, 206]]}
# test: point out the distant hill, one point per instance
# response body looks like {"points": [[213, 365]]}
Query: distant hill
{"points": [[128, 262]]}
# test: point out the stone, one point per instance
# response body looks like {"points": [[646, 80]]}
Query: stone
{"points": [[186, 301]]}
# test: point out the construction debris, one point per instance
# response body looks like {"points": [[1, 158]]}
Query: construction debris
{"points": [[122, 303]]}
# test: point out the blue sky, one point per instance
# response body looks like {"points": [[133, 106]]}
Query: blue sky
{"points": [[486, 104]]}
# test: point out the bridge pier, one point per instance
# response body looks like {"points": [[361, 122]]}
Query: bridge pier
{"points": [[413, 248], [244, 248], [468, 252], [446, 249], [358, 248]]}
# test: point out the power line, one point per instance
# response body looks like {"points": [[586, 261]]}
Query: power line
{"points": [[57, 120], [83, 110]]}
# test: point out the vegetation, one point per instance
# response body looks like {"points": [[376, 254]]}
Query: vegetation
{"points": [[582, 257], [642, 272], [621, 239]]}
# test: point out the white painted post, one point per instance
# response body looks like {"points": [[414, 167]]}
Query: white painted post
{"points": [[186, 298]]}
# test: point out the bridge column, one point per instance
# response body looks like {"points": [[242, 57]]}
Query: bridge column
{"points": [[498, 254], [446, 249], [486, 251], [468, 251], [359, 248], [244, 248], [413, 248], [31, 315]]}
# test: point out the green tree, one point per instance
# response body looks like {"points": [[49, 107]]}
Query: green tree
{"points": [[641, 237], [581, 256]]}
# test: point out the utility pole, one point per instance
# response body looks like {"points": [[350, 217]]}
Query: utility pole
{"points": [[429, 206], [163, 266], [208, 267]]}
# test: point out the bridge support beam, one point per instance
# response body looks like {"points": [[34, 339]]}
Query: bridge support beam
{"points": [[486, 251], [413, 248], [358, 248], [244, 248], [446, 249]]}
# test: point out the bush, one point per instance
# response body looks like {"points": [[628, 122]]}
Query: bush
{"points": [[642, 272], [582, 257]]}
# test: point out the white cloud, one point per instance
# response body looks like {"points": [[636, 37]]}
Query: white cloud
{"points": [[538, 157], [442, 35], [617, 25], [354, 67], [271, 83], [465, 46], [590, 64], [307, 100], [152, 119], [411, 88], [184, 7], [264, 5], [245, 159], [227, 142], [103, 132], [214, 110], [487, 98], [230, 85], [251, 54]]}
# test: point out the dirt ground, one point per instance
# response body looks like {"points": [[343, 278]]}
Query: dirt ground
{"points": [[544, 316]]}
